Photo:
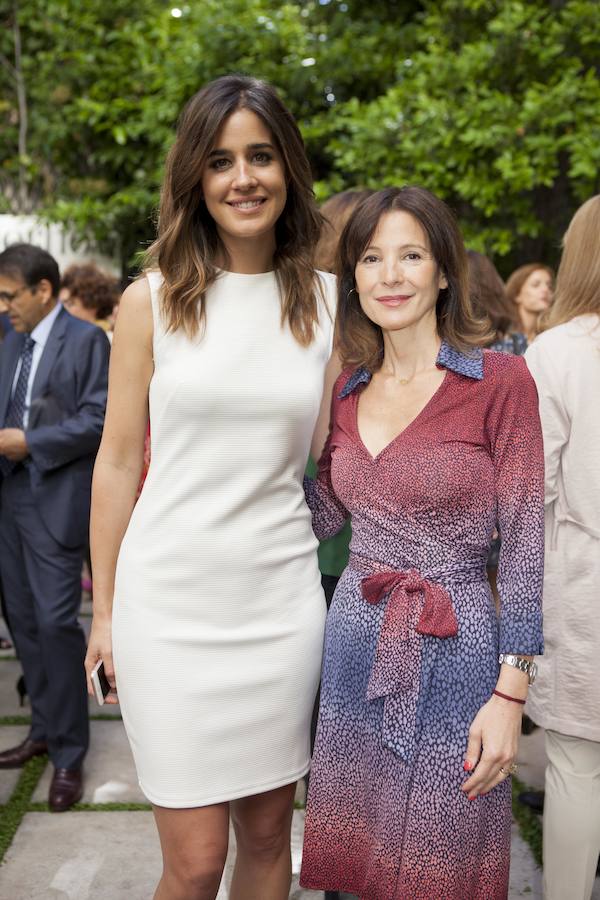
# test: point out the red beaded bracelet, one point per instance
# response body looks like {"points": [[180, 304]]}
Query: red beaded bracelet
{"points": [[506, 697]]}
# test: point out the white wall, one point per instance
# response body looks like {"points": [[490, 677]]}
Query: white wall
{"points": [[54, 239]]}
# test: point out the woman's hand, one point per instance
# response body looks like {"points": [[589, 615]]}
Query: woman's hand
{"points": [[100, 647], [493, 743]]}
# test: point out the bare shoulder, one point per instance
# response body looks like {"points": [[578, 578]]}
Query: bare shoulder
{"points": [[134, 320]]}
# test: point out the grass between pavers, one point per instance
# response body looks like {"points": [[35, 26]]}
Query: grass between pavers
{"points": [[12, 813], [530, 823]]}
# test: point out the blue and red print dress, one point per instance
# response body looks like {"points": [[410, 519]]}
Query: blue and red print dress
{"points": [[412, 638]]}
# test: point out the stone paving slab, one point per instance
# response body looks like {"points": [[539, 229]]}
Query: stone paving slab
{"points": [[110, 775], [98, 855], [10, 736], [82, 856]]}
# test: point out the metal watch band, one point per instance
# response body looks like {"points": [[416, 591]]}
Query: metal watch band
{"points": [[519, 662]]}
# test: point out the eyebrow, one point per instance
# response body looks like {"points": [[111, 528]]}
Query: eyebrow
{"points": [[220, 151], [401, 247]]}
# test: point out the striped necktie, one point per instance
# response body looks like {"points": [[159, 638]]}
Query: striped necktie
{"points": [[16, 407]]}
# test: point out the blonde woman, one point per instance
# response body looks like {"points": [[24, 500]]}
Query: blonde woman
{"points": [[565, 363]]}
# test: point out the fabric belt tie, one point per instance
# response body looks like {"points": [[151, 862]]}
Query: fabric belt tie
{"points": [[415, 607]]}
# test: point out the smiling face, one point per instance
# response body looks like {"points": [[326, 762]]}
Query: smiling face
{"points": [[243, 182], [536, 294], [397, 278]]}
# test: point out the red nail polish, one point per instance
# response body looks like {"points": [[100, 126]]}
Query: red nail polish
{"points": [[467, 766], [472, 797]]}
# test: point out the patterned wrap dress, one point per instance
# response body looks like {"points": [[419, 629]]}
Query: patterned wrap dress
{"points": [[412, 638]]}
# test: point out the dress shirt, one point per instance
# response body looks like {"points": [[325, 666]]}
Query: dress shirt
{"points": [[40, 335]]}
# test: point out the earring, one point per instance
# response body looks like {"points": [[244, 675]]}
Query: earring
{"points": [[351, 291]]}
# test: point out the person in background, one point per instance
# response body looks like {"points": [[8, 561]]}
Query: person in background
{"points": [[432, 440], [529, 288], [5, 642], [90, 294], [490, 300], [53, 385], [565, 363]]}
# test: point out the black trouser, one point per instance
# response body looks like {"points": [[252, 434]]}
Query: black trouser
{"points": [[42, 585]]}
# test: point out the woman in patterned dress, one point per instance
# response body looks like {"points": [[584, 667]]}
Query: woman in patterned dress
{"points": [[433, 441]]}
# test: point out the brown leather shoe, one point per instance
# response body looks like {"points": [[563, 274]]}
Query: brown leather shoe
{"points": [[66, 789], [18, 756]]}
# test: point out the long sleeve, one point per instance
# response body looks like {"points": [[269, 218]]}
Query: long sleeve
{"points": [[54, 445], [555, 419], [328, 513], [518, 457]]}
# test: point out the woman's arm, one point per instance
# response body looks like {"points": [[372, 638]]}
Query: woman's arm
{"points": [[328, 513], [119, 462], [332, 373], [556, 424], [518, 457]]}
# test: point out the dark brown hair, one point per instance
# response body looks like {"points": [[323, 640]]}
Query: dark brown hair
{"points": [[360, 339], [32, 264], [188, 241], [488, 295], [335, 211], [94, 288]]}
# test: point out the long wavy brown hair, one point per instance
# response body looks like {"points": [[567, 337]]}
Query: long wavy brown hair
{"points": [[188, 242], [361, 340]]}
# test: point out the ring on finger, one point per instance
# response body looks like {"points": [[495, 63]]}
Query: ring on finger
{"points": [[510, 770]]}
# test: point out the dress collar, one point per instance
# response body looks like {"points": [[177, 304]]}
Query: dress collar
{"points": [[468, 364]]}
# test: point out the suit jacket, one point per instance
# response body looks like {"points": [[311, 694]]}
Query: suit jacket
{"points": [[66, 416]]}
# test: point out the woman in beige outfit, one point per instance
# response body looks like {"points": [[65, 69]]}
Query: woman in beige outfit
{"points": [[565, 363]]}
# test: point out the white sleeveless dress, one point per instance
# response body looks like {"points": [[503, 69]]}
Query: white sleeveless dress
{"points": [[218, 609]]}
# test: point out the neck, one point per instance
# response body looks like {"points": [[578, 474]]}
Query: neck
{"points": [[48, 307], [247, 256], [410, 350], [529, 322]]}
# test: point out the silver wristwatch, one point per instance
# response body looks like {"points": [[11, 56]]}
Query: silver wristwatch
{"points": [[521, 663]]}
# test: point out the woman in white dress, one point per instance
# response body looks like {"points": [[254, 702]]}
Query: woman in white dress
{"points": [[209, 588], [565, 363]]}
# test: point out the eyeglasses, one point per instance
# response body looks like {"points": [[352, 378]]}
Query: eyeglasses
{"points": [[8, 298]]}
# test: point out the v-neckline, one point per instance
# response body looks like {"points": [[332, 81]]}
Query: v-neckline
{"points": [[408, 427]]}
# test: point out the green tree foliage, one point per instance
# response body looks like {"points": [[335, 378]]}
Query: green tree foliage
{"points": [[494, 105]]}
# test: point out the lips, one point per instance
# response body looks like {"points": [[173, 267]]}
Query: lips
{"points": [[394, 299]]}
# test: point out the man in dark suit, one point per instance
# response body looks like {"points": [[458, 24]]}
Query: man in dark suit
{"points": [[53, 385]]}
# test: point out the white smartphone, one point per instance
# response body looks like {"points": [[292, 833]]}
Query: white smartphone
{"points": [[100, 682]]}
